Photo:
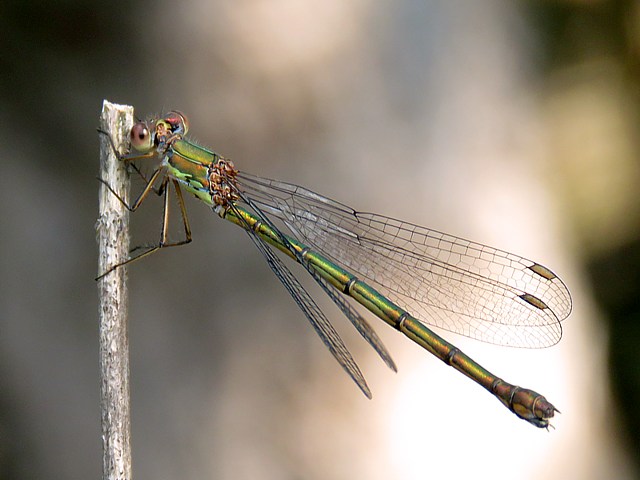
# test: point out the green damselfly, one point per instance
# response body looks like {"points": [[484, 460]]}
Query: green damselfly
{"points": [[386, 265]]}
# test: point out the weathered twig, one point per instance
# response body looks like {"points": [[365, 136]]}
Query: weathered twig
{"points": [[113, 240]]}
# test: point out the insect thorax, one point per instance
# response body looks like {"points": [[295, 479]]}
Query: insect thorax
{"points": [[223, 186]]}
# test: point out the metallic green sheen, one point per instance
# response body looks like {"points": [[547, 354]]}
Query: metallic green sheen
{"points": [[525, 403], [189, 164]]}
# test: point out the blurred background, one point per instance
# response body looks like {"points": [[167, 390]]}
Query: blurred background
{"points": [[511, 123]]}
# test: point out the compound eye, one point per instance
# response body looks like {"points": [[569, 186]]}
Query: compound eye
{"points": [[140, 137]]}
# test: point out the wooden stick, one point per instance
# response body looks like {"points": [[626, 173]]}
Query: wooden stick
{"points": [[113, 242]]}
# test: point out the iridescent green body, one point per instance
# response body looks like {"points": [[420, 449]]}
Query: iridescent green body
{"points": [[525, 403], [189, 163], [497, 293]]}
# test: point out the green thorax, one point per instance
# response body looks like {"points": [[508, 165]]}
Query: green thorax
{"points": [[189, 164]]}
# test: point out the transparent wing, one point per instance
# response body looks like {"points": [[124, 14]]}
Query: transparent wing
{"points": [[360, 324], [316, 317], [448, 282]]}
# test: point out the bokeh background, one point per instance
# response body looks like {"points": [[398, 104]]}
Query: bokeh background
{"points": [[511, 123]]}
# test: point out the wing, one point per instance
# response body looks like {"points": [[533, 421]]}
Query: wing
{"points": [[316, 317], [360, 324], [448, 282]]}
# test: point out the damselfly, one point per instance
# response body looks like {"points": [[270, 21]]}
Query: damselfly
{"points": [[386, 265]]}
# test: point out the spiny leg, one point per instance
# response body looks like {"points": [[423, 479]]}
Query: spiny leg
{"points": [[164, 189]]}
